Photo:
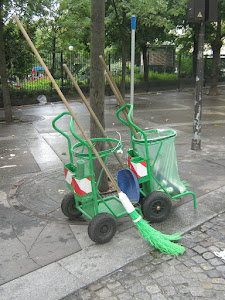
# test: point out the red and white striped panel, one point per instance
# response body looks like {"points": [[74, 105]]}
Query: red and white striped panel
{"points": [[139, 169], [80, 186]]}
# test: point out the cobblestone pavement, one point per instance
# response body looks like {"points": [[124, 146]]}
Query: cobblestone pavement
{"points": [[198, 274]]}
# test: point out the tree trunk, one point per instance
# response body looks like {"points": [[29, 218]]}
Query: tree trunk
{"points": [[3, 74], [61, 58], [216, 46], [145, 61], [97, 81], [122, 29], [53, 57]]}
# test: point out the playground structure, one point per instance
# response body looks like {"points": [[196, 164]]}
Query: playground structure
{"points": [[35, 75]]}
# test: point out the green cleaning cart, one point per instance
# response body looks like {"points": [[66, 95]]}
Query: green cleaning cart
{"points": [[84, 197], [152, 158]]}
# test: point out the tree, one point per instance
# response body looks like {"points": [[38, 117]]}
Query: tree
{"points": [[97, 81], [216, 44], [3, 73], [121, 10], [25, 8]]}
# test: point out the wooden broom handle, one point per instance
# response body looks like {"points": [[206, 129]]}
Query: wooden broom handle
{"points": [[117, 94], [66, 104], [92, 113]]}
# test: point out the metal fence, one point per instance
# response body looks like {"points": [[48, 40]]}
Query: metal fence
{"points": [[35, 82]]}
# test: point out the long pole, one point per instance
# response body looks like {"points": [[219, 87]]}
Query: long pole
{"points": [[197, 125], [66, 104], [133, 27], [92, 113], [117, 93]]}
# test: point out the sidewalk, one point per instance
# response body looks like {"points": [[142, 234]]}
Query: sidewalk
{"points": [[45, 256]]}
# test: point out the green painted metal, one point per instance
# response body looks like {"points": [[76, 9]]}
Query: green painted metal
{"points": [[92, 203], [147, 139]]}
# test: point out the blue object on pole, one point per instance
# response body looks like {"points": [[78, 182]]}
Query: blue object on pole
{"points": [[133, 22]]}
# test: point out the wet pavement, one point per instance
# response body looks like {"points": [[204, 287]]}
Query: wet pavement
{"points": [[44, 255]]}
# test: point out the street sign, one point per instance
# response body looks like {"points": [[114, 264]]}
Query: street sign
{"points": [[211, 8], [202, 10]]}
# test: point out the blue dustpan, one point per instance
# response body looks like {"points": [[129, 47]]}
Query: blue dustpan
{"points": [[128, 184]]}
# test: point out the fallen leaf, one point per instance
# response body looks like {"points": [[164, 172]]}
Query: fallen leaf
{"points": [[61, 191]]}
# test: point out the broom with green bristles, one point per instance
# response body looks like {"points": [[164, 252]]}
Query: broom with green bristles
{"points": [[156, 238]]}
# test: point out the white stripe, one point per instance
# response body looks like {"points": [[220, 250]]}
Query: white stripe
{"points": [[140, 169], [138, 219], [126, 202], [69, 177], [85, 185]]}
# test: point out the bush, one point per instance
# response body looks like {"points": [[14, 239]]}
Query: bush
{"points": [[162, 76], [84, 75], [116, 69]]}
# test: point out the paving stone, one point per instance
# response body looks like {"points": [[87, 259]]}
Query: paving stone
{"points": [[207, 285], [213, 249], [156, 274], [141, 296], [215, 262], [95, 286], [158, 297], [199, 249], [197, 292], [135, 288], [190, 263], [163, 281], [213, 273], [169, 291], [210, 295], [178, 280], [114, 285], [218, 281], [208, 255], [196, 269], [181, 268], [124, 296], [198, 259], [205, 244], [119, 290], [152, 289], [219, 287], [104, 293]]}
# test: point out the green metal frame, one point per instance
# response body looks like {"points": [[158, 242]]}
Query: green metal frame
{"points": [[146, 182], [92, 203]]}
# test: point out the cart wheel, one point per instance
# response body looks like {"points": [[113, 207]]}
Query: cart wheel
{"points": [[102, 228], [68, 207], [156, 207]]}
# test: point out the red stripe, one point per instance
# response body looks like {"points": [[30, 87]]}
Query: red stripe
{"points": [[143, 163], [77, 188], [66, 171]]}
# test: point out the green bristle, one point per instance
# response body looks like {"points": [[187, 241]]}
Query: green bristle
{"points": [[160, 241]]}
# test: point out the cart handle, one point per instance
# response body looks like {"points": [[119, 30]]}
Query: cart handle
{"points": [[131, 123], [65, 135]]}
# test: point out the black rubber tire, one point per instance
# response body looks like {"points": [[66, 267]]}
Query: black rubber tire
{"points": [[156, 207], [68, 207], [102, 228]]}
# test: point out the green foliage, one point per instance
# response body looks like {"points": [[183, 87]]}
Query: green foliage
{"points": [[84, 74], [139, 77], [186, 66], [162, 76]]}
